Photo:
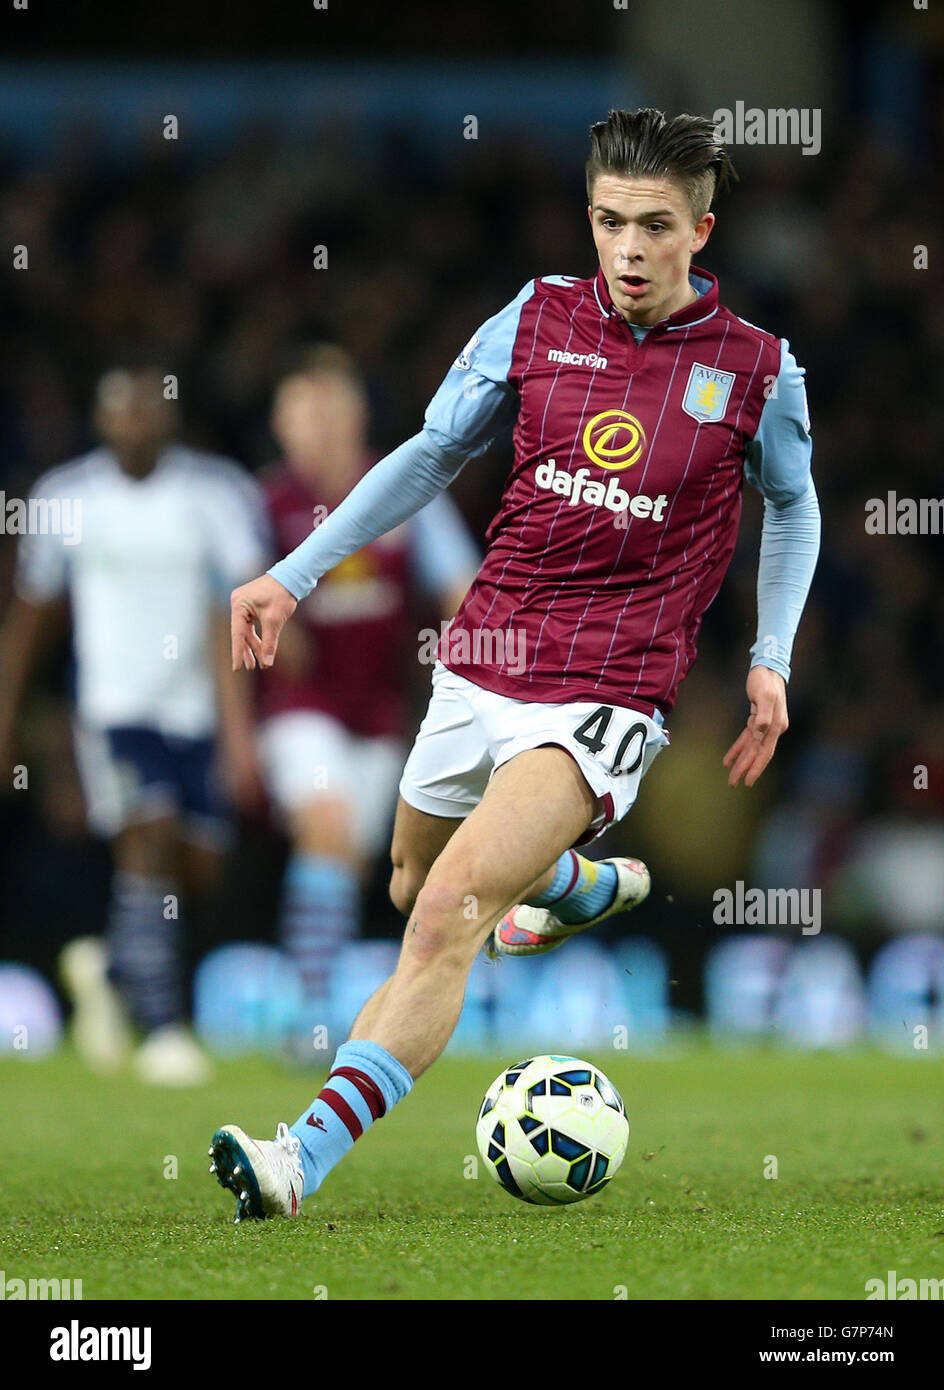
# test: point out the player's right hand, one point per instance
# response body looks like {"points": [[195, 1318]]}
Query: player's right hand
{"points": [[258, 612]]}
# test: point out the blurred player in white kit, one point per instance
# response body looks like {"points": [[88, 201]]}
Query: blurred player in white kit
{"points": [[160, 726]]}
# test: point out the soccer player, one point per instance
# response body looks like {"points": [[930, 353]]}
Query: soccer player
{"points": [[639, 404], [164, 534], [332, 712]]}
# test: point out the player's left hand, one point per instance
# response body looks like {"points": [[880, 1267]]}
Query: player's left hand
{"points": [[754, 747]]}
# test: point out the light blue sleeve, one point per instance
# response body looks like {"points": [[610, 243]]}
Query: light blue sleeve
{"points": [[442, 550], [474, 404], [789, 548], [476, 401], [777, 459], [394, 489], [777, 463]]}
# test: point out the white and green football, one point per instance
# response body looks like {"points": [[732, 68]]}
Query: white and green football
{"points": [[552, 1130]]}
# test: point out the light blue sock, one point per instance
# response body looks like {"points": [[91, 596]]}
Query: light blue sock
{"points": [[320, 903], [581, 889], [365, 1082]]}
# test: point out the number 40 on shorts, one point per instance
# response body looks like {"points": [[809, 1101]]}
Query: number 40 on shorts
{"points": [[592, 734]]}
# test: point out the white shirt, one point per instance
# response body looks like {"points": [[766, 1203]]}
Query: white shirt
{"points": [[149, 562]]}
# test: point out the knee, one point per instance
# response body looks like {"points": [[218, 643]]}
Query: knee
{"points": [[443, 925]]}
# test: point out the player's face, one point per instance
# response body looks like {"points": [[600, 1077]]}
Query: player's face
{"points": [[318, 420], [645, 236], [131, 414]]}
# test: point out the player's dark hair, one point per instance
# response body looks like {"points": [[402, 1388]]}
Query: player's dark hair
{"points": [[647, 143]]}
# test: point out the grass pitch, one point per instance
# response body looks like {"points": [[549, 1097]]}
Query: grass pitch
{"points": [[857, 1139]]}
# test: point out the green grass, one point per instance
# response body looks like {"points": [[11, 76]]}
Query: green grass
{"points": [[858, 1139]]}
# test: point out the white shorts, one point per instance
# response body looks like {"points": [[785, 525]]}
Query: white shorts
{"points": [[306, 754], [469, 732]]}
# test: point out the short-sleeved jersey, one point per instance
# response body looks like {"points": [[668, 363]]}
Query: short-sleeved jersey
{"points": [[149, 560], [620, 513], [359, 620]]}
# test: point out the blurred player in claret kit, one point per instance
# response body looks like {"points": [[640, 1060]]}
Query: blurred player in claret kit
{"points": [[165, 532], [639, 404], [333, 710]]}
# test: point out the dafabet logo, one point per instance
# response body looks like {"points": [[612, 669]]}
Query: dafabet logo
{"points": [[613, 439]]}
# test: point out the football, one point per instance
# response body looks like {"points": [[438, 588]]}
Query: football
{"points": [[552, 1130]]}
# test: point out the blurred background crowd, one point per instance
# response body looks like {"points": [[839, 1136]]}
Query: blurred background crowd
{"points": [[197, 255]]}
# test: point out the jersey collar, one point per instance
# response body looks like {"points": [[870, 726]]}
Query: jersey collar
{"points": [[700, 309]]}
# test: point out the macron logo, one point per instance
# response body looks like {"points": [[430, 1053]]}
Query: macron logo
{"points": [[577, 359]]}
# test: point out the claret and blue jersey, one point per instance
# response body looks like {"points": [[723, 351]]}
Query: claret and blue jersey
{"points": [[619, 515]]}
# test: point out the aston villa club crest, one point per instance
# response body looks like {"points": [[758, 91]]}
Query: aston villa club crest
{"points": [[707, 392]]}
